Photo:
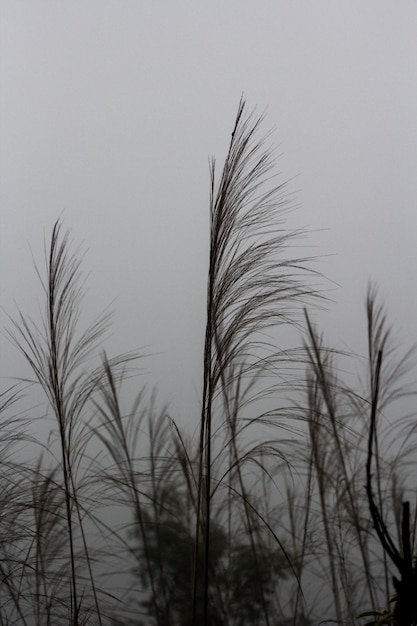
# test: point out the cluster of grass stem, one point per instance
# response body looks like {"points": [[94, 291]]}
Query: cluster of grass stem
{"points": [[120, 517]]}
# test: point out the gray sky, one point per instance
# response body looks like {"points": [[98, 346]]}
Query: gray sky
{"points": [[110, 109]]}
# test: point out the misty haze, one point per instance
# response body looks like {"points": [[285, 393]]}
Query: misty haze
{"points": [[208, 370]]}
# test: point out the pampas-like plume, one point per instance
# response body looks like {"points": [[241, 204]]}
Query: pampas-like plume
{"points": [[57, 354], [251, 287]]}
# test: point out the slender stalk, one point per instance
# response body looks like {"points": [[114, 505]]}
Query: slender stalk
{"points": [[120, 438], [56, 356], [327, 388], [251, 287]]}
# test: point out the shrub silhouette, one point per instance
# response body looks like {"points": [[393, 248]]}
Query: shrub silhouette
{"points": [[170, 541]]}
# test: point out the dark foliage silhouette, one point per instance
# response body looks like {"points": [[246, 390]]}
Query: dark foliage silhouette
{"points": [[294, 505]]}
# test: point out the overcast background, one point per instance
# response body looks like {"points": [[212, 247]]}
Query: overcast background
{"points": [[110, 110]]}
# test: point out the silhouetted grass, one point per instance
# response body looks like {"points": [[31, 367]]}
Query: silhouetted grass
{"points": [[119, 517]]}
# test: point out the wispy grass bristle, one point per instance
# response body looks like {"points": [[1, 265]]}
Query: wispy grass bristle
{"points": [[296, 502]]}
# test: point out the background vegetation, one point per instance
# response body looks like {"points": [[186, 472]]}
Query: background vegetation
{"points": [[287, 508]]}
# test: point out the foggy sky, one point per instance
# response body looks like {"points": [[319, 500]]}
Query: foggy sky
{"points": [[109, 111]]}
